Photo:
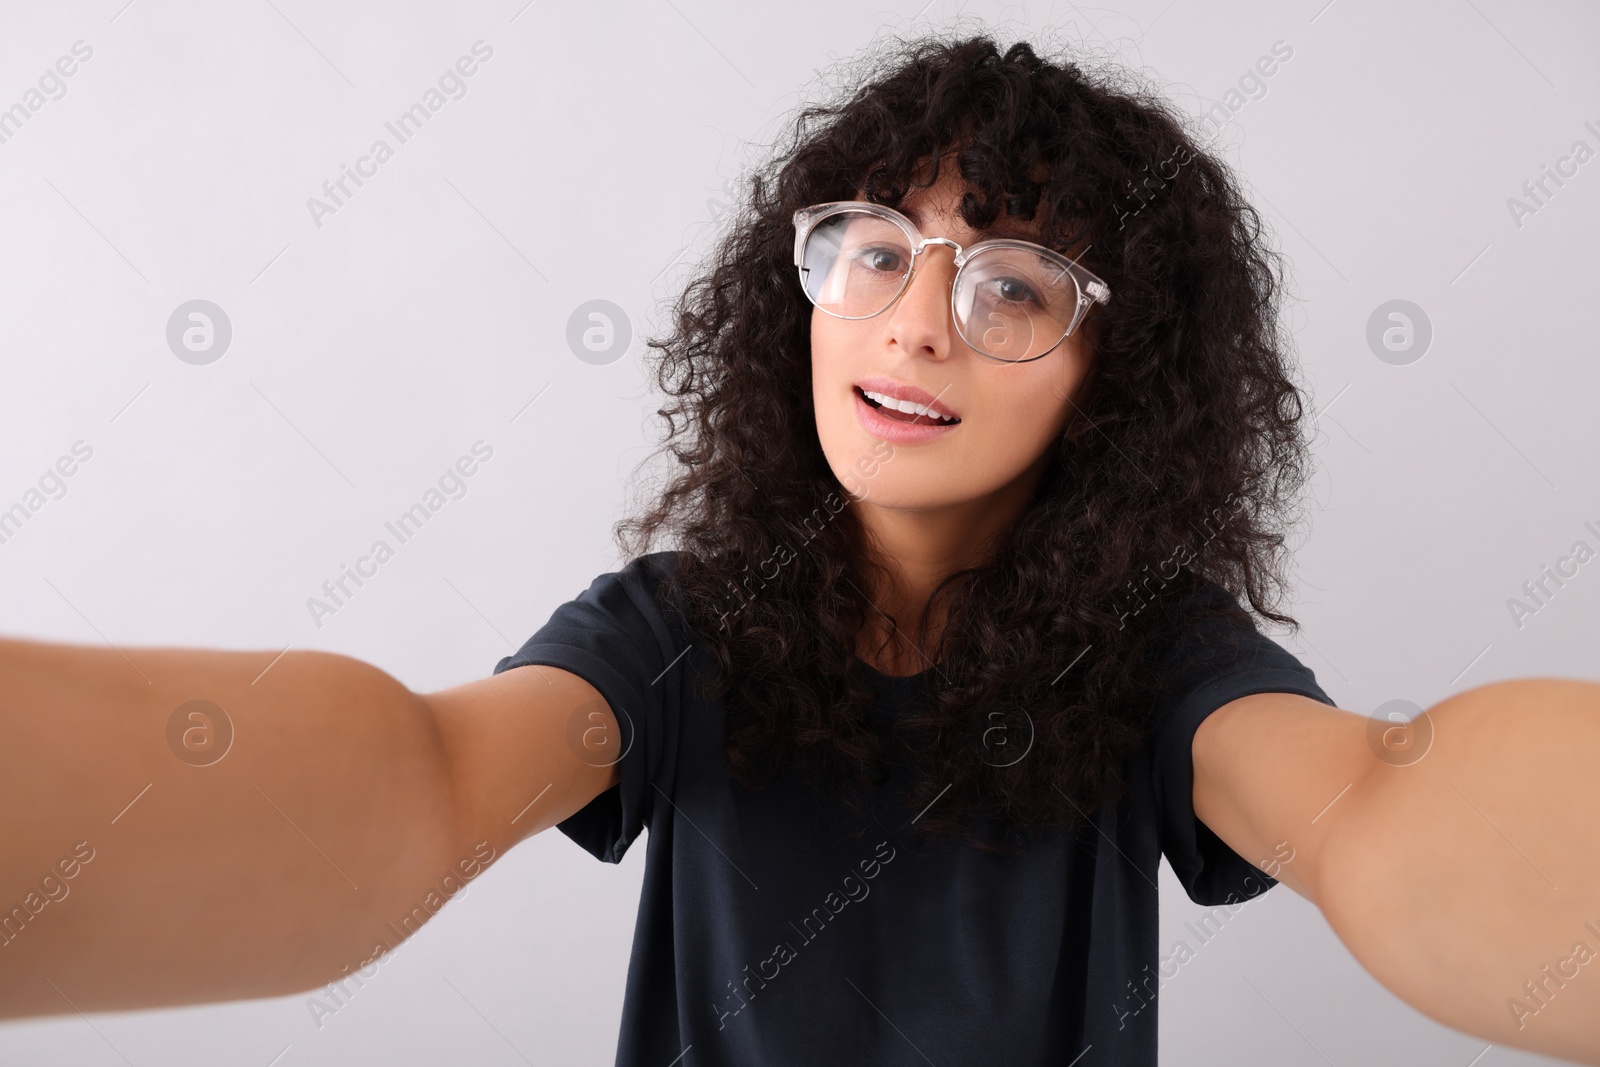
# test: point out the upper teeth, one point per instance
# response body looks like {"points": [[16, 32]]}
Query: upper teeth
{"points": [[910, 407]]}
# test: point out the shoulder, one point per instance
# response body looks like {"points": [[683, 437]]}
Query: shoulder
{"points": [[641, 578], [1207, 631], [642, 595], [1211, 611], [655, 567], [648, 581], [1213, 653], [624, 615]]}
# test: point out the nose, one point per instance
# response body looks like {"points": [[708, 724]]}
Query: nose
{"points": [[920, 319]]}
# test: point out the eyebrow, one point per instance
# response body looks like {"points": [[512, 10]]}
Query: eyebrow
{"points": [[1011, 230]]}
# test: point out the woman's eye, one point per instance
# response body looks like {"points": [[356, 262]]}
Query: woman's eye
{"points": [[1014, 290], [883, 260]]}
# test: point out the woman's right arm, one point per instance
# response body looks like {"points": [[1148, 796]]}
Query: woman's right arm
{"points": [[346, 809]]}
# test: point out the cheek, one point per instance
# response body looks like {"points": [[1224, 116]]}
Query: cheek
{"points": [[1065, 378], [1028, 422], [827, 351], [1023, 417], [836, 362], [1064, 386], [1036, 406], [843, 440]]}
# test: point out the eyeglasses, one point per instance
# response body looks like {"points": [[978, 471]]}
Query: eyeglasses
{"points": [[1012, 301]]}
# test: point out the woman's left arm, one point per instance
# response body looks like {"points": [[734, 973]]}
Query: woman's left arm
{"points": [[1462, 869]]}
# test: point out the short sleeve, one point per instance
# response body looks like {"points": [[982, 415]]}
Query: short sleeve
{"points": [[616, 637], [1220, 657]]}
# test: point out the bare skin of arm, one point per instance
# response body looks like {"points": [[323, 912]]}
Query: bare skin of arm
{"points": [[1465, 881], [343, 802]]}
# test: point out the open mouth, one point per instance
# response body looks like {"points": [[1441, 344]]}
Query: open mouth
{"points": [[904, 410]]}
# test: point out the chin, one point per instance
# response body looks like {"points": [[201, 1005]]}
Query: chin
{"points": [[902, 482]]}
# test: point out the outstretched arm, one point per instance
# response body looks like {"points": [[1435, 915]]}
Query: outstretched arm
{"points": [[1467, 881], [137, 869]]}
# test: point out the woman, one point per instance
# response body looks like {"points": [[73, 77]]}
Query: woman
{"points": [[984, 429]]}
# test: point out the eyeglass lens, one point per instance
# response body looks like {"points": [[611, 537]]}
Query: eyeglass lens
{"points": [[1010, 303]]}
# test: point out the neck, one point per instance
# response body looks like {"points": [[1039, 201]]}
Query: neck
{"points": [[919, 548]]}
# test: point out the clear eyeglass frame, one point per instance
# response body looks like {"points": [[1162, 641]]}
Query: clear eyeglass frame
{"points": [[1091, 289]]}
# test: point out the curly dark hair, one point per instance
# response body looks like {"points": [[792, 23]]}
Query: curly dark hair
{"points": [[1180, 470]]}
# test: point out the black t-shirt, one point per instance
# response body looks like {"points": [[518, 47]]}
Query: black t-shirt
{"points": [[764, 937]]}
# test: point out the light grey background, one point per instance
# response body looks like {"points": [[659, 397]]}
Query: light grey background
{"points": [[587, 161]]}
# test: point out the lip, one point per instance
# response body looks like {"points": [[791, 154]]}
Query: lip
{"points": [[901, 391], [900, 433]]}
